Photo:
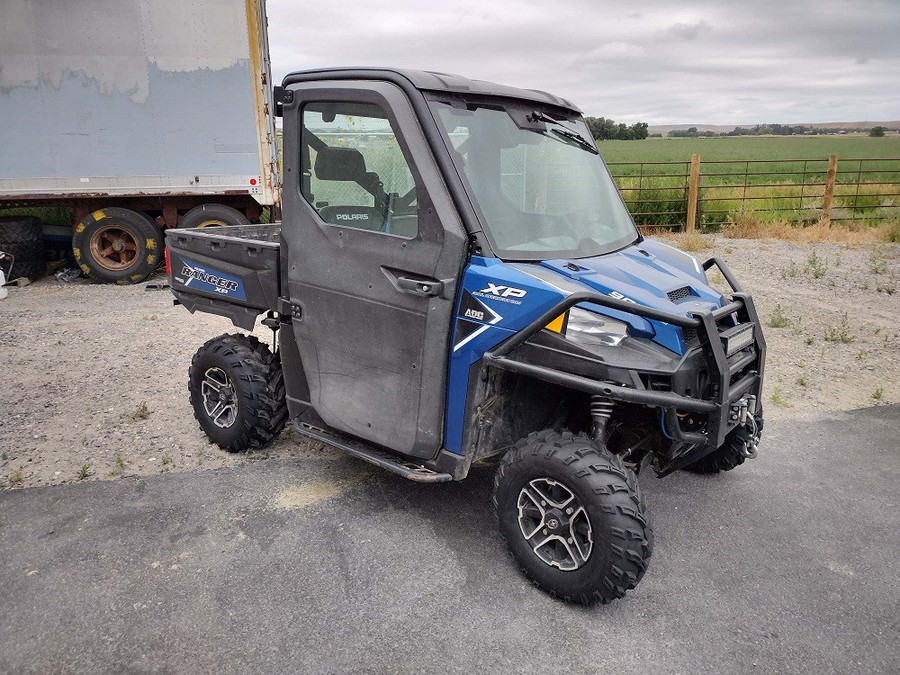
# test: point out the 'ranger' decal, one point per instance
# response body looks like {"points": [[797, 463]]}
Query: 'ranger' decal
{"points": [[211, 281]]}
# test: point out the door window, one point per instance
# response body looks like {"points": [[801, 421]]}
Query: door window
{"points": [[353, 171]]}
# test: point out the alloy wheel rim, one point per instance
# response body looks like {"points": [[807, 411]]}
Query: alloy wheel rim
{"points": [[219, 398], [555, 524]]}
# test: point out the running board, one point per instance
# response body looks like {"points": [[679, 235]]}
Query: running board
{"points": [[409, 470]]}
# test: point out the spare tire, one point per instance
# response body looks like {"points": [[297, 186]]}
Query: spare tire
{"points": [[117, 245], [22, 238], [213, 215]]}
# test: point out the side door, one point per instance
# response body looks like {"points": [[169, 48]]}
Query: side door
{"points": [[374, 251]]}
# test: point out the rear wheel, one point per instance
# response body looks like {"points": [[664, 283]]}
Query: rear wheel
{"points": [[573, 517], [213, 215], [237, 392], [117, 245], [22, 238]]}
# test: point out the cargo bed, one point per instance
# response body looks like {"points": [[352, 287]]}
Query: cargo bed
{"points": [[230, 271]]}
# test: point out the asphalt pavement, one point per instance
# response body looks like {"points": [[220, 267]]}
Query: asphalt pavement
{"points": [[328, 565]]}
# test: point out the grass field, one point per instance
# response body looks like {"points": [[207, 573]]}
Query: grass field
{"points": [[781, 190], [749, 147]]}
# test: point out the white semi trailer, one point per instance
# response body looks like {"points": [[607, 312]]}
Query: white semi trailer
{"points": [[136, 116]]}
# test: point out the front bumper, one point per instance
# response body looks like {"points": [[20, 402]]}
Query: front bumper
{"points": [[731, 377]]}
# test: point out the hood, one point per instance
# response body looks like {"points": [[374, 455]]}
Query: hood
{"points": [[649, 273]]}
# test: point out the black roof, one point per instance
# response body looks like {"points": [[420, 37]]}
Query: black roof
{"points": [[431, 81]]}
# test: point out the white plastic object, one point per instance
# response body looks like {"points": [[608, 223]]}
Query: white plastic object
{"points": [[3, 291]]}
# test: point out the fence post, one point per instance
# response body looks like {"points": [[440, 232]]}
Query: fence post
{"points": [[829, 189], [693, 193]]}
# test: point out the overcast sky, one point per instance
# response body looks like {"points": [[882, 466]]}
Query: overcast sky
{"points": [[700, 61]]}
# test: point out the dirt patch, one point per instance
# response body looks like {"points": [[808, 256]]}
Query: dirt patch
{"points": [[94, 377], [307, 494]]}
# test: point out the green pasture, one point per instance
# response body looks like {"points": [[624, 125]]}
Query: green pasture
{"points": [[750, 147]]}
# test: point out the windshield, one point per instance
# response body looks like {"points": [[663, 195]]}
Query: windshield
{"points": [[537, 180]]}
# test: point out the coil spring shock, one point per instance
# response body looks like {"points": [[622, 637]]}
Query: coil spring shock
{"points": [[601, 411]]}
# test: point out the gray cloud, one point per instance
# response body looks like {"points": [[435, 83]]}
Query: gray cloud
{"points": [[688, 31], [691, 61]]}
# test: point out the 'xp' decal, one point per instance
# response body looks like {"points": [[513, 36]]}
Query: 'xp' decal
{"points": [[211, 281], [504, 291]]}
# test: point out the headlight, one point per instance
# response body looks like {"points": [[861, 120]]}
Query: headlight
{"points": [[594, 330]]}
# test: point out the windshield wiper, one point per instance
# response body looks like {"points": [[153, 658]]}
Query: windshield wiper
{"points": [[577, 139]]}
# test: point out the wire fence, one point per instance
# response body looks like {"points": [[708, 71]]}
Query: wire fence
{"points": [[693, 194]]}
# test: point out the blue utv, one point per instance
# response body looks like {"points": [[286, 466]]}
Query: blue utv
{"points": [[455, 280]]}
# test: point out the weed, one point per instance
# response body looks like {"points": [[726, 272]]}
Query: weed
{"points": [[815, 266], [15, 477], [778, 399], [797, 326], [142, 412], [84, 471], [728, 250], [779, 318], [716, 279], [166, 459], [809, 340], [801, 380], [878, 393], [889, 287], [877, 262], [790, 271], [120, 465], [892, 232], [840, 333], [849, 234], [691, 241]]}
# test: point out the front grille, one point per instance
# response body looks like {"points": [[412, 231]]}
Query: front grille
{"points": [[690, 334], [680, 294]]}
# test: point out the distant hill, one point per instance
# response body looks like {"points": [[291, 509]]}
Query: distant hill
{"points": [[725, 128]]}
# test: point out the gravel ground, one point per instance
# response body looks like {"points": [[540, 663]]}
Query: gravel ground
{"points": [[95, 377]]}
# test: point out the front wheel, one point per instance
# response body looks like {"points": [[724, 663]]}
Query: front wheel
{"points": [[573, 517], [733, 452], [237, 392]]}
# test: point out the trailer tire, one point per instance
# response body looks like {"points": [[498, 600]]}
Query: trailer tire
{"points": [[609, 535], [117, 245], [22, 237], [729, 456], [213, 215], [249, 409]]}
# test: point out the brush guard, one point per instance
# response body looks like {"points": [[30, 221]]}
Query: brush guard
{"points": [[718, 410]]}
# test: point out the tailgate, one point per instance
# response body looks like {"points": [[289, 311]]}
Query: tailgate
{"points": [[237, 264]]}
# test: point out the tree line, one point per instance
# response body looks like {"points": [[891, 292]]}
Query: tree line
{"points": [[603, 129], [771, 130]]}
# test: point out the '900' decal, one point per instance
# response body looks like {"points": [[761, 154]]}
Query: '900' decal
{"points": [[502, 293]]}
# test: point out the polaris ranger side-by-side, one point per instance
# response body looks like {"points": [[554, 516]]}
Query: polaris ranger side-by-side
{"points": [[455, 279]]}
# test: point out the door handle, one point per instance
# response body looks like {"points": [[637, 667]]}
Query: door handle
{"points": [[425, 289]]}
